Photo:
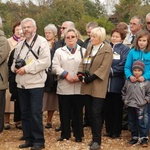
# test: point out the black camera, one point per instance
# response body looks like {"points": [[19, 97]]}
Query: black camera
{"points": [[19, 63]]}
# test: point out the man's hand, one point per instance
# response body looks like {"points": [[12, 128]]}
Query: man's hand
{"points": [[20, 71]]}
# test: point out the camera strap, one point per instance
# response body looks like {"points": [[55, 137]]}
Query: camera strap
{"points": [[31, 45]]}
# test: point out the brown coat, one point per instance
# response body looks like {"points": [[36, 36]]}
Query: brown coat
{"points": [[100, 67]]}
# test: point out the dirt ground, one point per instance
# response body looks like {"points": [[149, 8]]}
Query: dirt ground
{"points": [[9, 139]]}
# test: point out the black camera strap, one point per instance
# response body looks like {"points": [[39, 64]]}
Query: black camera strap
{"points": [[29, 46]]}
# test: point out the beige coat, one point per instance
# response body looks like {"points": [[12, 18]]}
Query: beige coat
{"points": [[100, 67], [63, 60]]}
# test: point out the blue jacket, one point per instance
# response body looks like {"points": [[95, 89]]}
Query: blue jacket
{"points": [[116, 76], [137, 55]]}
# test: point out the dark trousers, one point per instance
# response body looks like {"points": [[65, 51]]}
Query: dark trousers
{"points": [[96, 117], [138, 122], [17, 111], [70, 107], [87, 108], [31, 114], [2, 108], [113, 109]]}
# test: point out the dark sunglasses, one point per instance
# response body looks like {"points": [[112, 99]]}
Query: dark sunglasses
{"points": [[63, 28], [147, 22], [70, 37]]}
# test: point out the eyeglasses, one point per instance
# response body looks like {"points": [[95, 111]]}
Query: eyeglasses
{"points": [[148, 23], [63, 28], [70, 37]]}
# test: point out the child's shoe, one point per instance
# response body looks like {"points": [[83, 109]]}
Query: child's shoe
{"points": [[133, 141], [144, 142]]}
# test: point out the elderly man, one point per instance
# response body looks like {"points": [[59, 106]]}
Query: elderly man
{"points": [[4, 51], [147, 19], [31, 58], [135, 25]]}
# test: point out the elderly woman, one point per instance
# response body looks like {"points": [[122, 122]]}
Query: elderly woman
{"points": [[12, 102], [65, 64], [93, 72], [50, 98]]}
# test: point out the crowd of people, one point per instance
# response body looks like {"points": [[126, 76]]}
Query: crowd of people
{"points": [[96, 82]]}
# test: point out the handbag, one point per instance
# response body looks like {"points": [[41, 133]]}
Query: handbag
{"points": [[51, 81]]}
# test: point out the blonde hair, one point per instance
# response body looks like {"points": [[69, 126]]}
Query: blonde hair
{"points": [[69, 30], [99, 32]]}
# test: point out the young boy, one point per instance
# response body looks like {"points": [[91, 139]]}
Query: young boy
{"points": [[136, 96]]}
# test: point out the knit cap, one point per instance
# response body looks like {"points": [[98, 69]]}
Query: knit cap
{"points": [[138, 64]]}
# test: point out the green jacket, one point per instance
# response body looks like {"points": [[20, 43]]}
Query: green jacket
{"points": [[4, 51]]}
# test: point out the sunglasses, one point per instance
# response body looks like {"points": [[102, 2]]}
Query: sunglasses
{"points": [[70, 37], [147, 22], [63, 28]]}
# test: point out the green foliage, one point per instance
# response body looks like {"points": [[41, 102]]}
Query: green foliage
{"points": [[129, 8], [103, 22], [51, 11]]}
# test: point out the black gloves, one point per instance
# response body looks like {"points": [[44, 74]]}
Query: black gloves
{"points": [[90, 79], [80, 76]]}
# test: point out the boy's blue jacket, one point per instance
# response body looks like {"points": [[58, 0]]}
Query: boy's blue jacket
{"points": [[134, 55]]}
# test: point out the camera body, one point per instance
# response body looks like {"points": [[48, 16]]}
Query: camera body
{"points": [[20, 63]]}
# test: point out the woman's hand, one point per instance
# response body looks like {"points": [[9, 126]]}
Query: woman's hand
{"points": [[70, 78], [141, 79], [133, 79]]}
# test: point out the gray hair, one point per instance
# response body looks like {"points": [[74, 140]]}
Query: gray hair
{"points": [[70, 24], [91, 24], [99, 32], [139, 18], [69, 30], [1, 24], [28, 19], [148, 15], [52, 28]]}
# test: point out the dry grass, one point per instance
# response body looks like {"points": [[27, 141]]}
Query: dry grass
{"points": [[9, 140]]}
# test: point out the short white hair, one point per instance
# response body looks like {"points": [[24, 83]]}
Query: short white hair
{"points": [[99, 32], [52, 28], [28, 19]]}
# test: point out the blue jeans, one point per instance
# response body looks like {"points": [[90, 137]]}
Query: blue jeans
{"points": [[138, 121], [31, 115], [148, 111]]}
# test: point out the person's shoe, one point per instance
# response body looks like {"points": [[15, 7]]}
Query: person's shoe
{"points": [[58, 129], [95, 146], [86, 124], [90, 144], [22, 138], [48, 125], [7, 126], [26, 145], [144, 142], [78, 139], [107, 135], [61, 139], [37, 147], [18, 125], [115, 136], [133, 141]]}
